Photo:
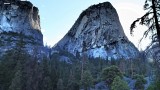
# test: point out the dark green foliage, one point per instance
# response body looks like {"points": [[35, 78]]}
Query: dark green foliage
{"points": [[12, 66], [119, 84], [17, 81], [70, 74], [132, 66], [23, 72], [52, 74], [109, 73], [87, 80], [73, 84], [140, 81], [46, 83], [7, 70], [60, 85], [19, 70], [154, 86]]}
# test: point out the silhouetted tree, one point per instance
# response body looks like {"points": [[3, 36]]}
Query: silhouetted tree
{"points": [[150, 19]]}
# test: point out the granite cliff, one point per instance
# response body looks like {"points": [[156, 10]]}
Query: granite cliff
{"points": [[19, 20], [98, 33]]}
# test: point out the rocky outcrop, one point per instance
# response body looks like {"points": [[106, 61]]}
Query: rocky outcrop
{"points": [[19, 19], [98, 33], [152, 53]]}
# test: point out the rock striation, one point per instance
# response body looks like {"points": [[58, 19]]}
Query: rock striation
{"points": [[98, 33]]}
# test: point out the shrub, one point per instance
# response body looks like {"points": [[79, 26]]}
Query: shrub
{"points": [[154, 86], [140, 81], [119, 84], [109, 73]]}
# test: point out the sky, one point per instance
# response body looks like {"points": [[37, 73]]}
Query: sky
{"points": [[58, 16]]}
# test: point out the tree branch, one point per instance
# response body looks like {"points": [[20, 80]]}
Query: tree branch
{"points": [[133, 25]]}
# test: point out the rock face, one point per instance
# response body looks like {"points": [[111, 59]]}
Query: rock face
{"points": [[152, 53], [98, 33], [19, 19]]}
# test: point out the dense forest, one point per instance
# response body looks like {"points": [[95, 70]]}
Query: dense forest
{"points": [[22, 71]]}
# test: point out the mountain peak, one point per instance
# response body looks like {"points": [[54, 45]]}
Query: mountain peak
{"points": [[98, 33], [103, 13], [101, 5]]}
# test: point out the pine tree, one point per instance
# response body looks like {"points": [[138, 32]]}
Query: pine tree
{"points": [[122, 66], [87, 80], [21, 57], [72, 82], [46, 80], [60, 85], [7, 69], [47, 83], [17, 81]]}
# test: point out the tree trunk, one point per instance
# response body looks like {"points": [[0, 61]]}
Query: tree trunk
{"points": [[156, 20]]}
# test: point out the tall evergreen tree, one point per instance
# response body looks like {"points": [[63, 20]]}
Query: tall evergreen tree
{"points": [[7, 69], [46, 80], [87, 80], [17, 80], [12, 65], [60, 85], [21, 56], [152, 20]]}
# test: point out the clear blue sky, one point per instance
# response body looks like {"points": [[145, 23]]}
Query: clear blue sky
{"points": [[58, 16]]}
